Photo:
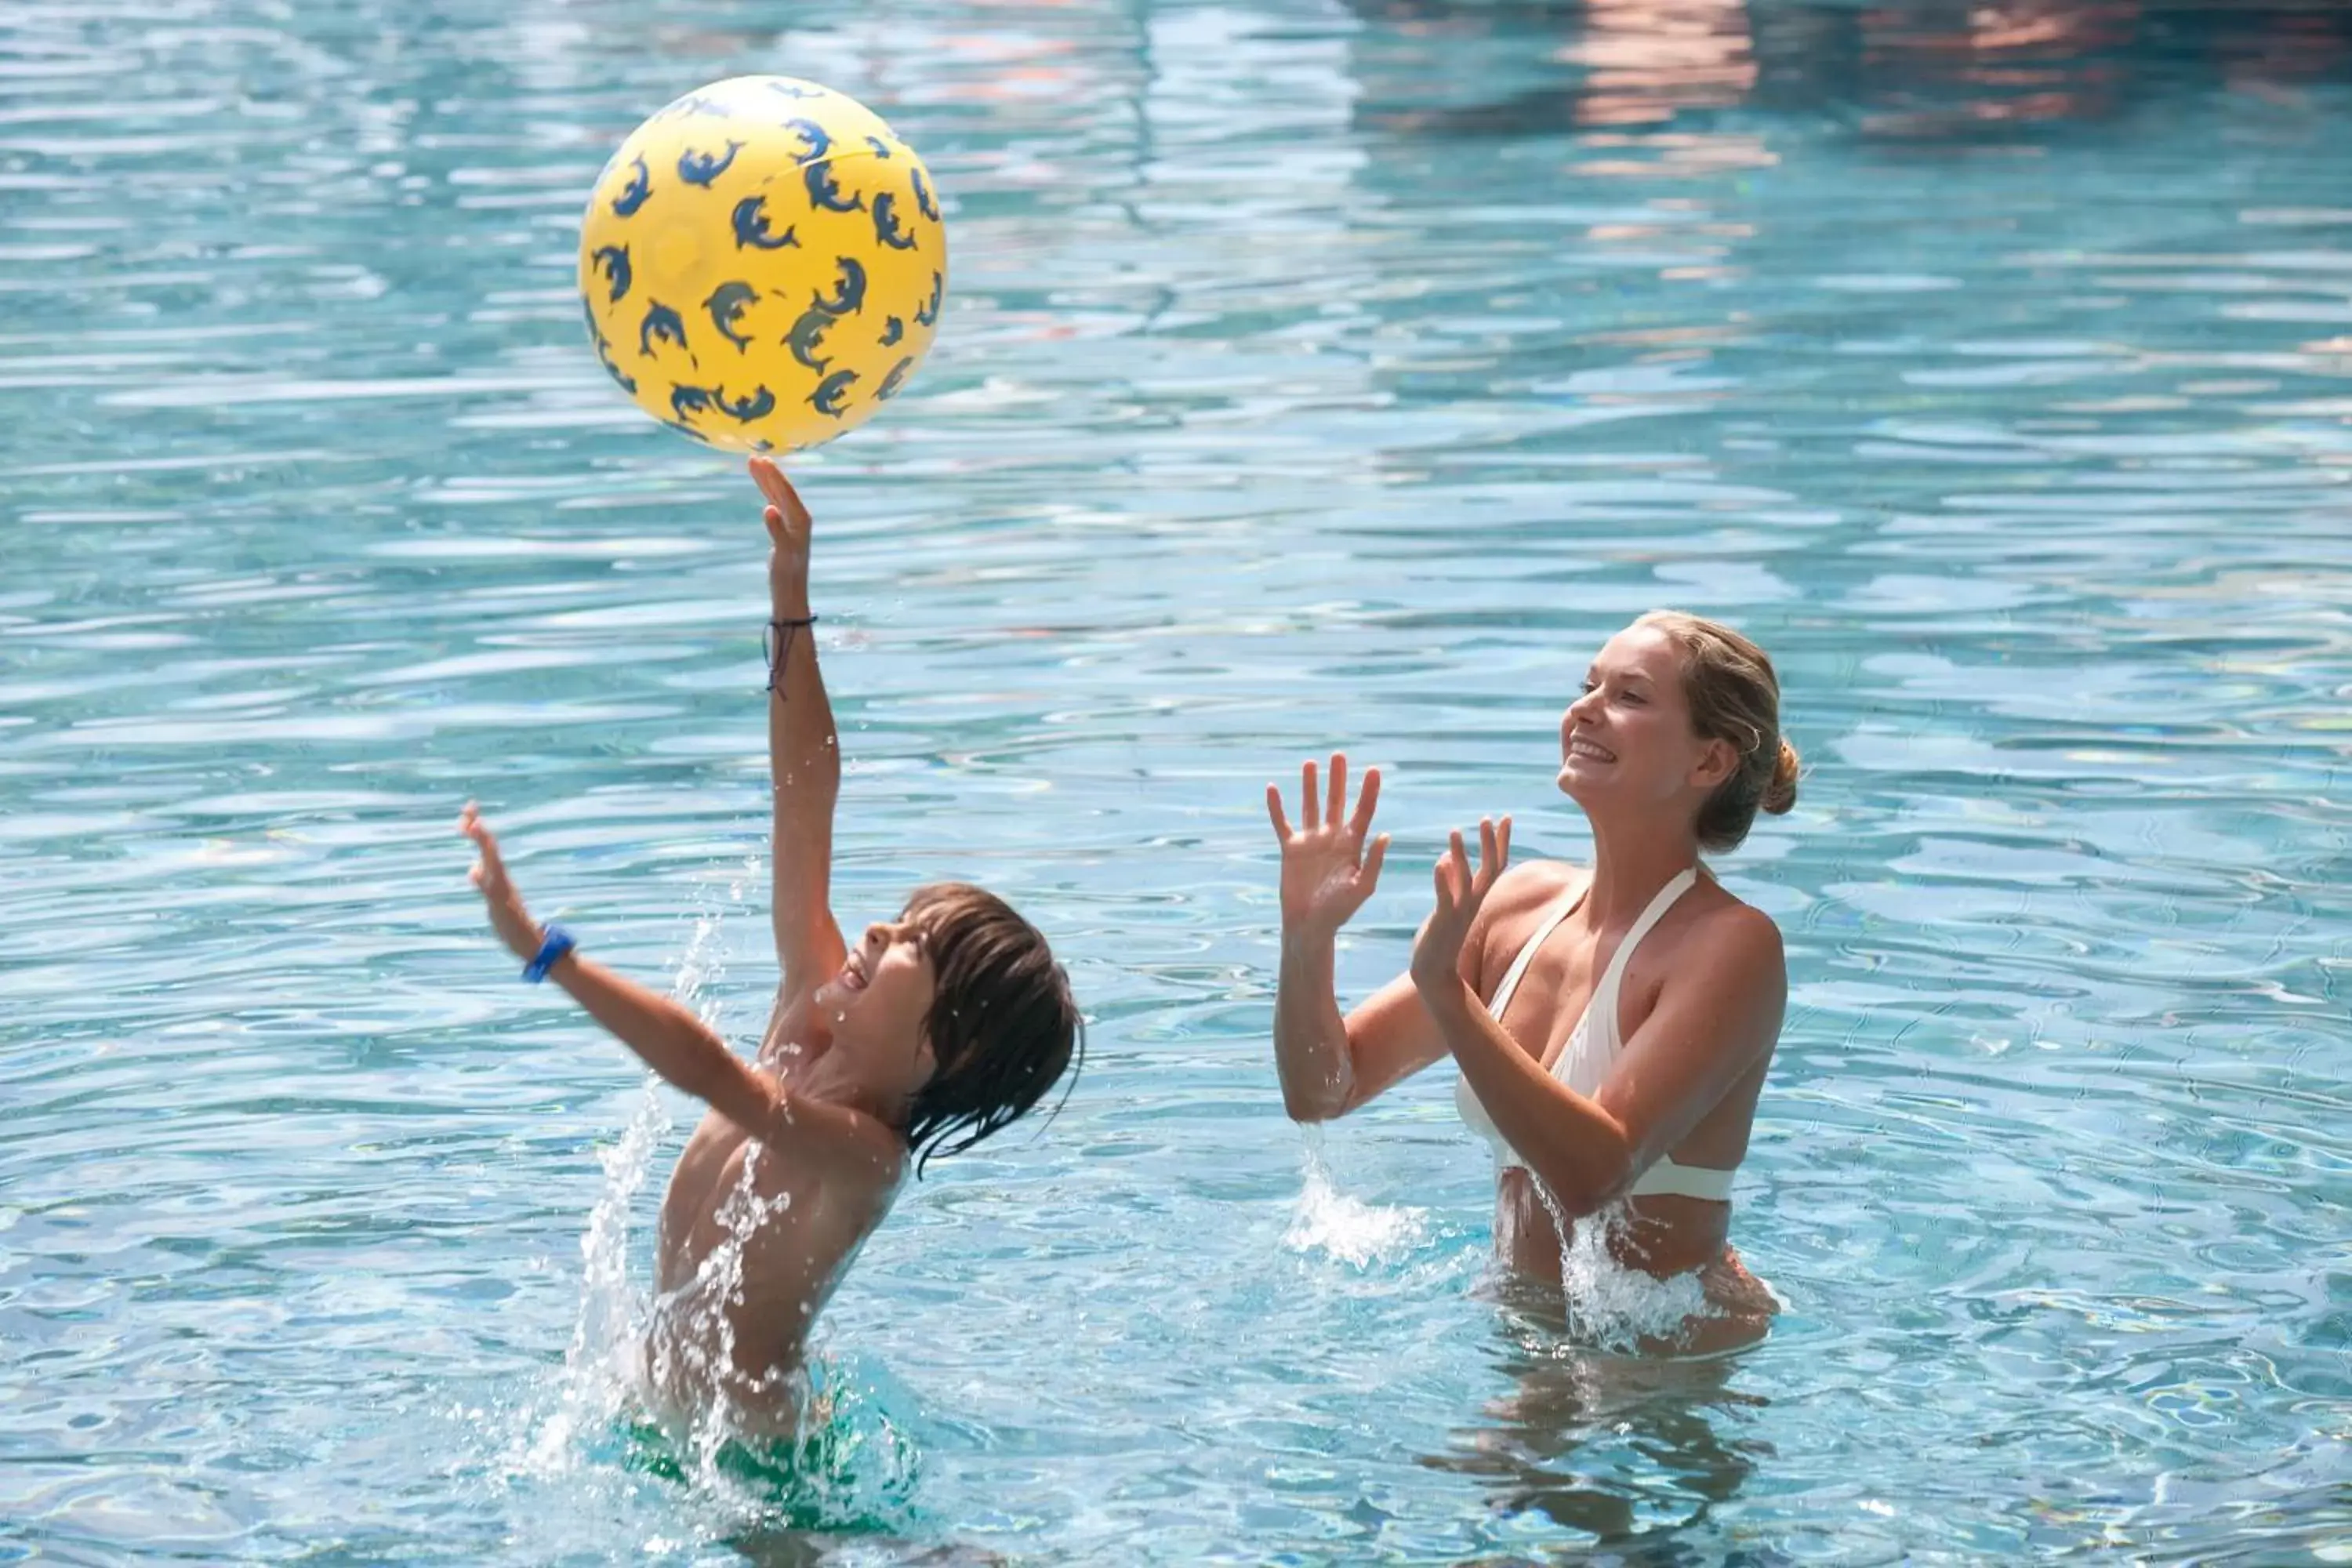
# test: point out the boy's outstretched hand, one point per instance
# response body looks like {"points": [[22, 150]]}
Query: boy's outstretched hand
{"points": [[788, 539], [508, 917]]}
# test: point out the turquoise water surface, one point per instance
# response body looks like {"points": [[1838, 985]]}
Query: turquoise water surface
{"points": [[1315, 372]]}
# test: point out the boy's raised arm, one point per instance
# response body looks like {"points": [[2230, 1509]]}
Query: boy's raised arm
{"points": [[669, 1039], [803, 751]]}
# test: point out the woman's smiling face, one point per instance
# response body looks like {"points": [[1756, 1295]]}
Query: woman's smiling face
{"points": [[1628, 738]]}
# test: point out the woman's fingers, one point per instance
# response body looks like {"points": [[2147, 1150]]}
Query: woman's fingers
{"points": [[1337, 806], [1358, 824], [1310, 816], [1273, 809], [1371, 872]]}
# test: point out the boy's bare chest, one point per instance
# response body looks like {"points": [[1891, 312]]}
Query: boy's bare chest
{"points": [[789, 1220]]}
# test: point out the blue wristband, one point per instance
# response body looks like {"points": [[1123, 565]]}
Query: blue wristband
{"points": [[553, 943]]}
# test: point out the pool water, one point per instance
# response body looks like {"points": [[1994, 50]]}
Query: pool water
{"points": [[1314, 373]]}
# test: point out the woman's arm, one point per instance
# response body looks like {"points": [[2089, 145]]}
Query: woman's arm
{"points": [[1330, 1064], [1717, 1017], [803, 750]]}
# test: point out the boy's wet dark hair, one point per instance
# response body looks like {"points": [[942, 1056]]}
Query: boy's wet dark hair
{"points": [[1003, 1026]]}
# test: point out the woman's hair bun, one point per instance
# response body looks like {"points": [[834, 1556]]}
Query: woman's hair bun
{"points": [[1781, 792]]}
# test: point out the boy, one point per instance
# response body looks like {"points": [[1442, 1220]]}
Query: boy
{"points": [[946, 1023]]}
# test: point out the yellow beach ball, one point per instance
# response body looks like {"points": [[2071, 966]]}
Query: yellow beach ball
{"points": [[762, 264]]}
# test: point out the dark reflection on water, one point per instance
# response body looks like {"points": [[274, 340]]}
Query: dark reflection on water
{"points": [[1944, 71], [1630, 1451]]}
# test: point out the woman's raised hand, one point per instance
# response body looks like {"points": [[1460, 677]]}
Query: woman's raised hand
{"points": [[1327, 870], [1437, 949]]}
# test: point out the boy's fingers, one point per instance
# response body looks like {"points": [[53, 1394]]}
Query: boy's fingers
{"points": [[779, 489], [1379, 852], [788, 501]]}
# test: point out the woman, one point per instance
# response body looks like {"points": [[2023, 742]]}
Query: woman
{"points": [[1613, 1023]]}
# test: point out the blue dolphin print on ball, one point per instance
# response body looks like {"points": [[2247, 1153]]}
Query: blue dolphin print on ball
{"points": [[794, 90], [604, 352], [726, 303], [826, 398], [929, 315], [894, 380], [824, 195], [701, 168], [849, 292], [759, 406], [613, 260], [819, 140], [803, 339], [892, 329], [695, 103], [634, 194], [688, 401], [751, 228], [886, 224], [923, 202], [881, 148], [661, 322]]}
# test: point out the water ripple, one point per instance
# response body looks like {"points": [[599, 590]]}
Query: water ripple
{"points": [[1318, 373]]}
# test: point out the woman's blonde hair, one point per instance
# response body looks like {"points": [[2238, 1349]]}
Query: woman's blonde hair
{"points": [[1733, 695]]}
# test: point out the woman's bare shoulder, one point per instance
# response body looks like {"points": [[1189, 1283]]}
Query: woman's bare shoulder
{"points": [[1526, 889], [1724, 921]]}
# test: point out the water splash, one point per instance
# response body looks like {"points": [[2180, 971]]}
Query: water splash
{"points": [[693, 1343], [600, 1365], [1616, 1307], [1611, 1306], [1329, 1221], [847, 1465], [604, 1370]]}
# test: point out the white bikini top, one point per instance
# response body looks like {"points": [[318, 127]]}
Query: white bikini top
{"points": [[1591, 1051]]}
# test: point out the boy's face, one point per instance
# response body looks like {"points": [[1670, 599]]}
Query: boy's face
{"points": [[878, 1005]]}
